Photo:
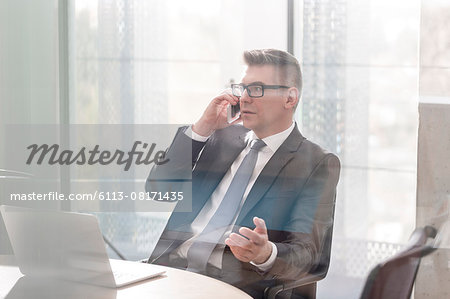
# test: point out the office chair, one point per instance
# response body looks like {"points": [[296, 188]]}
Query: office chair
{"points": [[322, 234], [395, 277], [306, 286]]}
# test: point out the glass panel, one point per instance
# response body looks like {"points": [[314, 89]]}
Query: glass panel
{"points": [[156, 62], [360, 100]]}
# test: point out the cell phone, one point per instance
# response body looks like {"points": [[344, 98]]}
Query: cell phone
{"points": [[233, 112]]}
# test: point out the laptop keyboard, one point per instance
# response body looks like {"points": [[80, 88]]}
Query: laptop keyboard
{"points": [[129, 272]]}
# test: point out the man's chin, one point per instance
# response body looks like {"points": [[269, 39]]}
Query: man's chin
{"points": [[248, 124]]}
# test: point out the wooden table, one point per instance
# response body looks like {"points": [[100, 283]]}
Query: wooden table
{"points": [[173, 284]]}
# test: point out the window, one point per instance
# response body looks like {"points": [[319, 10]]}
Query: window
{"points": [[360, 68], [158, 62]]}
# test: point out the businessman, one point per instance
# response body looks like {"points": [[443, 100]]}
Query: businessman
{"points": [[262, 194]]}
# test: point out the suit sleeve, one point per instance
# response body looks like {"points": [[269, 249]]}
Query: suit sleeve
{"points": [[310, 224], [181, 156]]}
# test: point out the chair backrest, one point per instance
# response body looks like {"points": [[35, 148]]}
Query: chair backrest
{"points": [[395, 277], [305, 287]]}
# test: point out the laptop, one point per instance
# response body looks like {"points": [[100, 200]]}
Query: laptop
{"points": [[36, 288], [68, 246]]}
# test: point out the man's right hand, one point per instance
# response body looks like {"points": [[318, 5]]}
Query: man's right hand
{"points": [[215, 115]]}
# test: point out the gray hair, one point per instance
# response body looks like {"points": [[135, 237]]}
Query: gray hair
{"points": [[287, 64]]}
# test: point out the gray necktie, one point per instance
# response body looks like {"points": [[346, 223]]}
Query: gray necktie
{"points": [[200, 251]]}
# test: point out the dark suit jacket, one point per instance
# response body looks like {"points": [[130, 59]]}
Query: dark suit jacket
{"points": [[294, 194]]}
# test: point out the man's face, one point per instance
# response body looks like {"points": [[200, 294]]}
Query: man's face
{"points": [[268, 114]]}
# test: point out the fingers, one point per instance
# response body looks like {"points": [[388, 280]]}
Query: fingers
{"points": [[230, 242], [260, 225], [215, 115], [258, 236], [226, 98], [238, 240], [241, 254], [252, 244], [252, 235]]}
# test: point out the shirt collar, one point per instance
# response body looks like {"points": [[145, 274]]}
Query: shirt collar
{"points": [[273, 142]]}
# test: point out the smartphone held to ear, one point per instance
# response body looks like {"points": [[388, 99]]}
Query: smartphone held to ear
{"points": [[233, 112]]}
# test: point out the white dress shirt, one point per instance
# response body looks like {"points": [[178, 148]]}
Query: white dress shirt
{"points": [[198, 225]]}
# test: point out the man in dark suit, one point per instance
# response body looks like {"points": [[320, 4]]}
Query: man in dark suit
{"points": [[275, 227]]}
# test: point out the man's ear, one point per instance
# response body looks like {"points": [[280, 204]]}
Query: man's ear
{"points": [[292, 98]]}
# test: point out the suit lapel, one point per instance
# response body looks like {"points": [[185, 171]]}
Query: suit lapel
{"points": [[219, 162], [213, 163], [282, 156]]}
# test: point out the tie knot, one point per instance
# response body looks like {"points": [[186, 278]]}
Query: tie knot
{"points": [[258, 144]]}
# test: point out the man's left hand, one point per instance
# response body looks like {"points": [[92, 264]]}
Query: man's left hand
{"points": [[251, 245]]}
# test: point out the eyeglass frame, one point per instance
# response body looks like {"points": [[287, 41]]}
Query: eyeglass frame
{"points": [[245, 87]]}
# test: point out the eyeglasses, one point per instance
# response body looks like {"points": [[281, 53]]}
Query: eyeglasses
{"points": [[253, 90]]}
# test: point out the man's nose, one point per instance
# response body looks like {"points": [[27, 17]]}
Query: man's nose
{"points": [[245, 97]]}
